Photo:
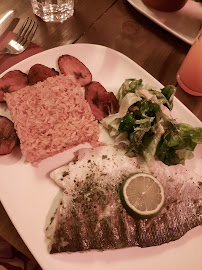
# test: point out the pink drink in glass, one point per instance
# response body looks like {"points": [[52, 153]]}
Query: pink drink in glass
{"points": [[189, 75]]}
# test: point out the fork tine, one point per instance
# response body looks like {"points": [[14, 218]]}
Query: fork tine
{"points": [[30, 35], [19, 33], [32, 31], [29, 26], [22, 38]]}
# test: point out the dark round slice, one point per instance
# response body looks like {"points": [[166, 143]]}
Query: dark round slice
{"points": [[70, 65], [8, 136], [39, 73], [12, 81]]}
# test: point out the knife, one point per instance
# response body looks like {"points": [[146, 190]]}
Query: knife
{"points": [[8, 21]]}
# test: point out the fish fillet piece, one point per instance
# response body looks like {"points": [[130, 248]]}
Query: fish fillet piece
{"points": [[91, 216]]}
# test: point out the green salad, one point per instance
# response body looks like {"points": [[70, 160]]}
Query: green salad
{"points": [[145, 125]]}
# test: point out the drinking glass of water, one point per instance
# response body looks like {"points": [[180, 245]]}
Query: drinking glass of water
{"points": [[53, 10]]}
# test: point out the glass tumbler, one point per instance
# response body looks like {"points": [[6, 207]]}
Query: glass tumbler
{"points": [[53, 10], [189, 76]]}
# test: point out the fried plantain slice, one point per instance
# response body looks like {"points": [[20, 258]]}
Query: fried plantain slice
{"points": [[12, 81], [102, 103], [39, 73], [70, 65], [8, 136]]}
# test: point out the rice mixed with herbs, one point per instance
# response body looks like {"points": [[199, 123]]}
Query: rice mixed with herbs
{"points": [[50, 117]]}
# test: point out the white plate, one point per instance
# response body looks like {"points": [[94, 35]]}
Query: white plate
{"points": [[30, 197], [184, 23]]}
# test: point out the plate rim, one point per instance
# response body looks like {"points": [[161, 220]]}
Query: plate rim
{"points": [[101, 47], [81, 44], [135, 4]]}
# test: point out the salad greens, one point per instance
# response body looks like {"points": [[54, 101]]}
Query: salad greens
{"points": [[145, 125]]}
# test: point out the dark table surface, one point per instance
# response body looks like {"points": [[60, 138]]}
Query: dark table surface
{"points": [[117, 25]]}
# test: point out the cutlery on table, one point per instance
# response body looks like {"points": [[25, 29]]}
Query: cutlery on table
{"points": [[6, 20], [22, 39]]}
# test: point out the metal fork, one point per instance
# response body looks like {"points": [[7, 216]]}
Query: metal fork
{"points": [[22, 39]]}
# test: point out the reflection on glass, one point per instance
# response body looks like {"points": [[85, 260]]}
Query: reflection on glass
{"points": [[189, 75], [53, 10]]}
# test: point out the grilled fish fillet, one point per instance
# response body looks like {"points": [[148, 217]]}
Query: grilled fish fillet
{"points": [[91, 216]]}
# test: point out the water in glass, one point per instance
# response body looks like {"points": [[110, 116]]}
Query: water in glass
{"points": [[53, 10]]}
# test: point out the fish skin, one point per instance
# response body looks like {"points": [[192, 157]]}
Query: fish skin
{"points": [[91, 215]]}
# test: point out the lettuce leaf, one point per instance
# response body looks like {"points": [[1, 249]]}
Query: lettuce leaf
{"points": [[129, 86], [145, 126], [112, 121], [178, 143], [195, 134]]}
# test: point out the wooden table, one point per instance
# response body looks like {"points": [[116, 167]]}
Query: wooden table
{"points": [[115, 24]]}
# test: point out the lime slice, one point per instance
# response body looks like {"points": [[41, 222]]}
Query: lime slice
{"points": [[142, 194]]}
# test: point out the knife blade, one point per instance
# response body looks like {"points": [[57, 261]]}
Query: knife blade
{"points": [[8, 21]]}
